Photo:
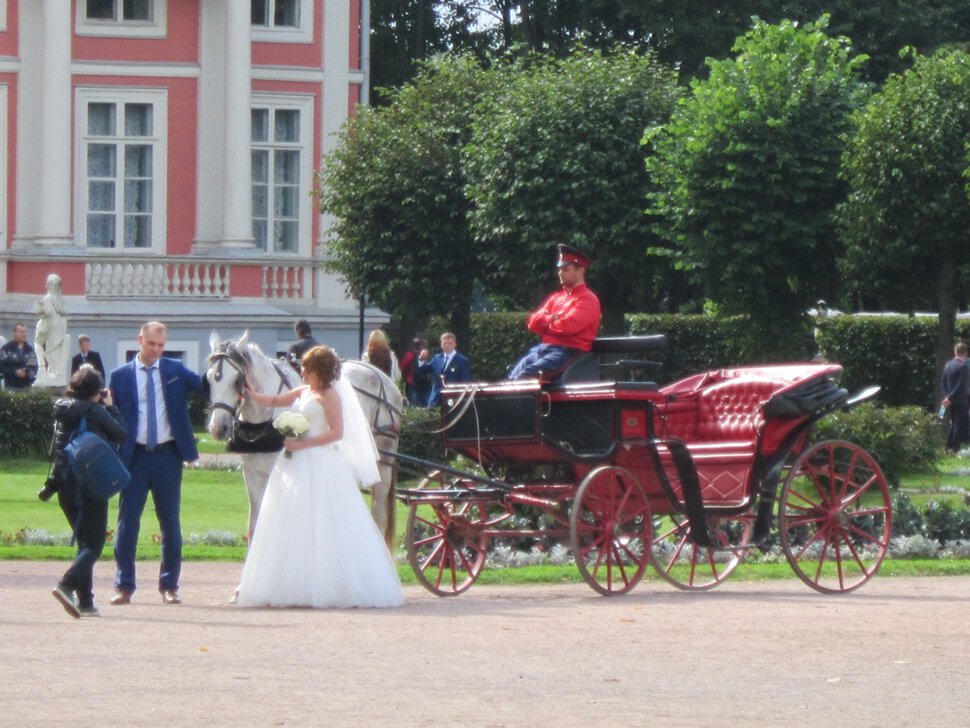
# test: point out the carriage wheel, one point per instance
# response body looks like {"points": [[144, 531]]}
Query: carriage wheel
{"points": [[834, 517], [610, 530], [679, 561], [446, 542]]}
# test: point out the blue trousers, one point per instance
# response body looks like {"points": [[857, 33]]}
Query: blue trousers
{"points": [[549, 359], [158, 473]]}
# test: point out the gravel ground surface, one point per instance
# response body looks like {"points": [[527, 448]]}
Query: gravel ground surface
{"points": [[895, 653]]}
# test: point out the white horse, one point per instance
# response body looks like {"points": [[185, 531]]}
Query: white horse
{"points": [[249, 426]]}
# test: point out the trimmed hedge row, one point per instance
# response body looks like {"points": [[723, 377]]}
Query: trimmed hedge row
{"points": [[896, 352], [901, 439], [696, 343], [26, 422], [497, 342]]}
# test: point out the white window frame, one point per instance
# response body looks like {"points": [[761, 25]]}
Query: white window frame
{"points": [[283, 34], [157, 27], [304, 105], [158, 98]]}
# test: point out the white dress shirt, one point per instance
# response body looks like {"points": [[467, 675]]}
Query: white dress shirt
{"points": [[164, 428]]}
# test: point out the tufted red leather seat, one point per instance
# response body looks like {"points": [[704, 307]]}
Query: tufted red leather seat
{"points": [[732, 410], [720, 425]]}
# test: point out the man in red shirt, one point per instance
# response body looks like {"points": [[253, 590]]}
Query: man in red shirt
{"points": [[566, 322]]}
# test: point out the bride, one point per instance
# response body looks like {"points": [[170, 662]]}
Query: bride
{"points": [[315, 543]]}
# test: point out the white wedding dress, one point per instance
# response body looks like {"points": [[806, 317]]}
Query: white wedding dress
{"points": [[315, 543]]}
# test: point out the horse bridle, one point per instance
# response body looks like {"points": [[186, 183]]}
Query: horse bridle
{"points": [[227, 354]]}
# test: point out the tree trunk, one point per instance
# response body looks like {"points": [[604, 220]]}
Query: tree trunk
{"points": [[506, 11], [946, 305]]}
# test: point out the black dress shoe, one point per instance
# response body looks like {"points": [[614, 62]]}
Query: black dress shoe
{"points": [[170, 596], [121, 597]]}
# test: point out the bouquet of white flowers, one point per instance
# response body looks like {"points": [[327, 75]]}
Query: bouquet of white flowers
{"points": [[292, 425]]}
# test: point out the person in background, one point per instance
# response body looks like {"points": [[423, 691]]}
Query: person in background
{"points": [[379, 354], [448, 365], [566, 322], [85, 355], [151, 392], [88, 517], [18, 360], [409, 371], [955, 399], [304, 342]]}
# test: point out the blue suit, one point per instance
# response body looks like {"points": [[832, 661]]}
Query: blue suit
{"points": [[158, 471], [459, 370]]}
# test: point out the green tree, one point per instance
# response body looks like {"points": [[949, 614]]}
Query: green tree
{"points": [[394, 188], [906, 218], [555, 158], [747, 174]]}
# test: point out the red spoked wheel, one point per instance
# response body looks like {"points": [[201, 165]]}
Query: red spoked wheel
{"points": [[679, 561], [835, 517], [446, 539], [610, 530]]}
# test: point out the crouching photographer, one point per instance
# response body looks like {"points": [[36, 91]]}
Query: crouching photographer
{"points": [[87, 405]]}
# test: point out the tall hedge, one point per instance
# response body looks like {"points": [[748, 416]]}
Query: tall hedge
{"points": [[696, 343], [26, 422], [497, 342], [896, 352]]}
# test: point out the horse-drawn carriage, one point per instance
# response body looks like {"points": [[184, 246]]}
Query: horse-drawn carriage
{"points": [[686, 477]]}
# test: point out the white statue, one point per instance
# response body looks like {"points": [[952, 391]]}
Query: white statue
{"points": [[51, 341]]}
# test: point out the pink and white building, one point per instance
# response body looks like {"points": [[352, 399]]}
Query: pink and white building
{"points": [[159, 156]]}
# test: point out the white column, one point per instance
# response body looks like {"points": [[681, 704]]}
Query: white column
{"points": [[237, 201], [336, 87], [328, 289], [54, 168]]}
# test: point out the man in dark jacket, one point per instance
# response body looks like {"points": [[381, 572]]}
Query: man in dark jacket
{"points": [[955, 376], [303, 343], [18, 360], [86, 356]]}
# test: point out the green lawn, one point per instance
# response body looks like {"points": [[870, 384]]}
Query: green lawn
{"points": [[212, 501], [215, 508], [943, 484]]}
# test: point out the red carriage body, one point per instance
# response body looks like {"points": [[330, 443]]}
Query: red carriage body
{"points": [[685, 476]]}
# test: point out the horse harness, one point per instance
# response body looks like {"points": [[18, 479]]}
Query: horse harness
{"points": [[245, 436], [397, 416]]}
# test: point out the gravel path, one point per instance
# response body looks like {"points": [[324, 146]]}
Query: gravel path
{"points": [[895, 653]]}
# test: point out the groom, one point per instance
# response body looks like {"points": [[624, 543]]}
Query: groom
{"points": [[151, 393]]}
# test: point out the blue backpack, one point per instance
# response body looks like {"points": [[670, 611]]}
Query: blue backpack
{"points": [[95, 464]]}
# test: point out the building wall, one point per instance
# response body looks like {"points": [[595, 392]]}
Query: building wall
{"points": [[201, 272]]}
